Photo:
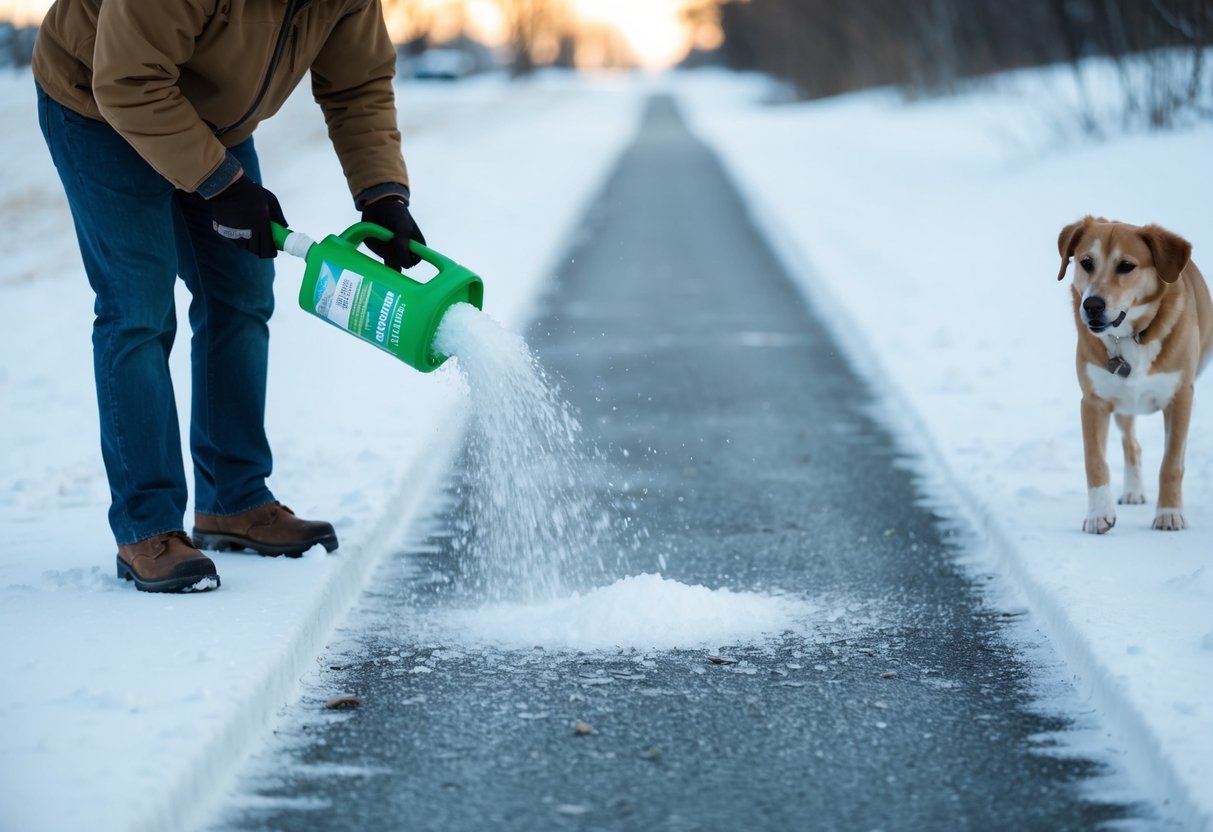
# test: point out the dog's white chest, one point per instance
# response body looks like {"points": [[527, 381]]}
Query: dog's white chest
{"points": [[1140, 393]]}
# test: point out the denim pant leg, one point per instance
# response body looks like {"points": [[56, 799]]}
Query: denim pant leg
{"points": [[233, 298], [123, 212]]}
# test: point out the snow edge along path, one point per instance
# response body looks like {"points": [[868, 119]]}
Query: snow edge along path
{"points": [[1145, 760], [219, 762]]}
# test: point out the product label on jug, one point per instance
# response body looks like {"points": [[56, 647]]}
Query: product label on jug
{"points": [[368, 309]]}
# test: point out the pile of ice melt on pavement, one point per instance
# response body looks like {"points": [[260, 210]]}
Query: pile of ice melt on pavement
{"points": [[533, 524], [643, 611]]}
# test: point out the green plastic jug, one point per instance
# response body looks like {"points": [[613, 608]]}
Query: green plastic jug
{"points": [[371, 301]]}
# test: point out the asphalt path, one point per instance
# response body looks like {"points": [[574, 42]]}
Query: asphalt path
{"points": [[682, 341]]}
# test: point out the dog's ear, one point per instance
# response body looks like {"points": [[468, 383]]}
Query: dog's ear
{"points": [[1171, 252], [1067, 241]]}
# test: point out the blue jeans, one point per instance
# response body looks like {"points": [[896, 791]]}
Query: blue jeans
{"points": [[137, 233]]}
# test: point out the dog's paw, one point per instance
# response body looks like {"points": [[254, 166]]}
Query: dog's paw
{"points": [[1132, 498], [1101, 512], [1170, 520]]}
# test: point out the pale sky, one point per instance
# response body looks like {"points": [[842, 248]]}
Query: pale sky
{"points": [[651, 26]]}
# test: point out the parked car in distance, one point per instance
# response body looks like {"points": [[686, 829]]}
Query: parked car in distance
{"points": [[443, 65]]}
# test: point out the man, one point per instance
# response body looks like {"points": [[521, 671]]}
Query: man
{"points": [[148, 109]]}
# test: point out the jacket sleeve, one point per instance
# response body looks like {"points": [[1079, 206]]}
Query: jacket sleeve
{"points": [[352, 82], [139, 47]]}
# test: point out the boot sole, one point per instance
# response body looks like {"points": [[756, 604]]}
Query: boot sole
{"points": [[218, 542], [189, 583]]}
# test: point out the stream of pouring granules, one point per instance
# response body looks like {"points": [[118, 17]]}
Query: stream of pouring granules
{"points": [[535, 527]]}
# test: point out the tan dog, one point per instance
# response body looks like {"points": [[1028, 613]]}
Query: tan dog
{"points": [[1145, 327]]}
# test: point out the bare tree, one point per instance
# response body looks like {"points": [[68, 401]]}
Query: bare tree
{"points": [[530, 23], [410, 22]]}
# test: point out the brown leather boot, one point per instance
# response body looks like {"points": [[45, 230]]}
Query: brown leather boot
{"points": [[166, 563], [271, 529]]}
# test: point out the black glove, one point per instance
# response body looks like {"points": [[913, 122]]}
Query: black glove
{"points": [[392, 213], [242, 212]]}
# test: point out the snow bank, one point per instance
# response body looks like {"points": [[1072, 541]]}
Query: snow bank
{"points": [[126, 711], [925, 234]]}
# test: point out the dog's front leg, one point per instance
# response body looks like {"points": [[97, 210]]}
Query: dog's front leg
{"points": [[1135, 488], [1178, 416], [1101, 507]]}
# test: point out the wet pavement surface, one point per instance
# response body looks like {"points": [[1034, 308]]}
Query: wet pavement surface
{"points": [[755, 462]]}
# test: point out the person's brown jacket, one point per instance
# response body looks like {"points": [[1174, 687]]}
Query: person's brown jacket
{"points": [[183, 80]]}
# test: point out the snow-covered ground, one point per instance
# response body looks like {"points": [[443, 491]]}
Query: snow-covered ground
{"points": [[121, 710], [925, 233]]}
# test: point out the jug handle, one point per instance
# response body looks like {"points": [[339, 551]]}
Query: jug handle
{"points": [[360, 231]]}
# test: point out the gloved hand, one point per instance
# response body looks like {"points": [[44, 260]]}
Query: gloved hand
{"points": [[242, 212], [392, 213]]}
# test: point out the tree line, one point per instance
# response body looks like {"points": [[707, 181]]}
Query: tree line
{"points": [[826, 47]]}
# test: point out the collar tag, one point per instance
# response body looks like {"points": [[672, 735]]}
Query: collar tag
{"points": [[1117, 366]]}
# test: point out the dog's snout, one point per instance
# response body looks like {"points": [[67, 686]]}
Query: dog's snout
{"points": [[1094, 307]]}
